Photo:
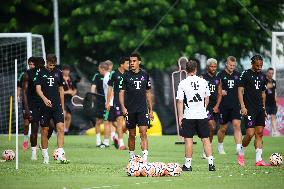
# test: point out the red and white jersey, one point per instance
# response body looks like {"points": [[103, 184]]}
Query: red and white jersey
{"points": [[192, 92]]}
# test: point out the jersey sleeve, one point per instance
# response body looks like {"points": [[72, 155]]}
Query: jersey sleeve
{"points": [[148, 85], [61, 80], [180, 92], [111, 79], [38, 80], [207, 91], [94, 80], [242, 80]]}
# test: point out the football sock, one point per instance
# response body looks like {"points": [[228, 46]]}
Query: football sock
{"points": [[26, 137], [210, 160], [45, 152], [238, 147], [258, 154], [33, 150], [131, 153], [220, 147], [145, 154], [188, 162], [242, 151], [106, 142], [98, 139], [120, 142]]}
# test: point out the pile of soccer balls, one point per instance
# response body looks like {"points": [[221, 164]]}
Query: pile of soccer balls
{"points": [[276, 159], [137, 167], [8, 155]]}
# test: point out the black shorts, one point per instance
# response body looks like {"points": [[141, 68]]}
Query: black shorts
{"points": [[114, 112], [137, 118], [271, 110], [191, 126], [99, 112], [55, 113], [229, 114], [255, 117], [211, 114], [68, 106], [34, 108]]}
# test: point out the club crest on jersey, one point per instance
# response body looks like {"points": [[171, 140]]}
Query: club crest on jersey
{"points": [[56, 75], [142, 78], [236, 77], [217, 82]]}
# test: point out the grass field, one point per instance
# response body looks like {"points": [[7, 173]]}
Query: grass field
{"points": [[91, 167]]}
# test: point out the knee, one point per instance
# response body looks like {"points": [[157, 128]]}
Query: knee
{"points": [[60, 129], [212, 127], [223, 129], [249, 134], [258, 133], [143, 134]]}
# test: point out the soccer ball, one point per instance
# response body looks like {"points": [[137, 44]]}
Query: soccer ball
{"points": [[149, 170], [8, 155], [133, 169], [173, 169], [161, 168], [56, 154], [276, 159], [136, 158]]}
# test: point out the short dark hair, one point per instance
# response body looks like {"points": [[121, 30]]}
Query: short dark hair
{"points": [[255, 58], [51, 58], [65, 67], [39, 62], [191, 66], [136, 55], [122, 60], [32, 59], [270, 69]]}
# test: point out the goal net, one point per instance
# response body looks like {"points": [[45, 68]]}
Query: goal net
{"points": [[14, 46], [277, 62]]}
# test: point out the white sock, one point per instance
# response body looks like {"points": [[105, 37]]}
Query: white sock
{"points": [[26, 137], [45, 152], [112, 135], [258, 154], [33, 150], [120, 142], [238, 147], [220, 147], [145, 154], [187, 162], [106, 142], [131, 153], [210, 160], [242, 151], [98, 139], [61, 153], [66, 130]]}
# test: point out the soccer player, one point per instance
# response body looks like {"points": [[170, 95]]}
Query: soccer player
{"points": [[49, 86], [271, 99], [31, 64], [193, 93], [97, 87], [229, 107], [136, 87], [115, 111], [215, 98], [69, 91], [252, 96], [32, 102]]}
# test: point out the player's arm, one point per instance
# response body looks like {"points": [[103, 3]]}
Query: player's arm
{"points": [[149, 102], [61, 93], [241, 100], [180, 111], [46, 101], [93, 88], [121, 100], [25, 95], [206, 101], [219, 98], [109, 96]]}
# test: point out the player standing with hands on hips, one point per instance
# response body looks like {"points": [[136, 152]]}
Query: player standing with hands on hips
{"points": [[136, 87]]}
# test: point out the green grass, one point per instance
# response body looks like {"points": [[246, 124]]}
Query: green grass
{"points": [[91, 167]]}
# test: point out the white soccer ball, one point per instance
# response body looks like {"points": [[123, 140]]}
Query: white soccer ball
{"points": [[173, 169], [133, 169], [276, 159], [161, 168], [56, 154], [136, 158], [149, 170], [8, 155]]}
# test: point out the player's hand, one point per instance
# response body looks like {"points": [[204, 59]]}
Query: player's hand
{"points": [[215, 109], [151, 115], [27, 114], [180, 121], [224, 93], [244, 111], [107, 106], [124, 111], [47, 102]]}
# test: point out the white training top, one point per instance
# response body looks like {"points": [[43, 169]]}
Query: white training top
{"points": [[192, 91], [105, 86]]}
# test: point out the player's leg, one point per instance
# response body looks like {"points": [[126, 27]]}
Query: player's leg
{"points": [[51, 129], [107, 130], [98, 131], [223, 120], [67, 121], [26, 131], [130, 120], [142, 119], [35, 118], [45, 119], [120, 123], [187, 130], [275, 132], [236, 122], [212, 127]]}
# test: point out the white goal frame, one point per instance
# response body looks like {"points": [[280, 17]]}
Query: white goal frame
{"points": [[273, 50]]}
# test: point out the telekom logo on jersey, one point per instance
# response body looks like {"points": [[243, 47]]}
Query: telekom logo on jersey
{"points": [[231, 84], [137, 84], [50, 81]]}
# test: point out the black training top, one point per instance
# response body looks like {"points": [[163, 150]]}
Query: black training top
{"points": [[20, 80], [270, 93], [254, 84], [115, 80], [68, 84], [98, 81], [31, 93], [213, 82], [50, 81], [135, 86], [230, 83]]}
